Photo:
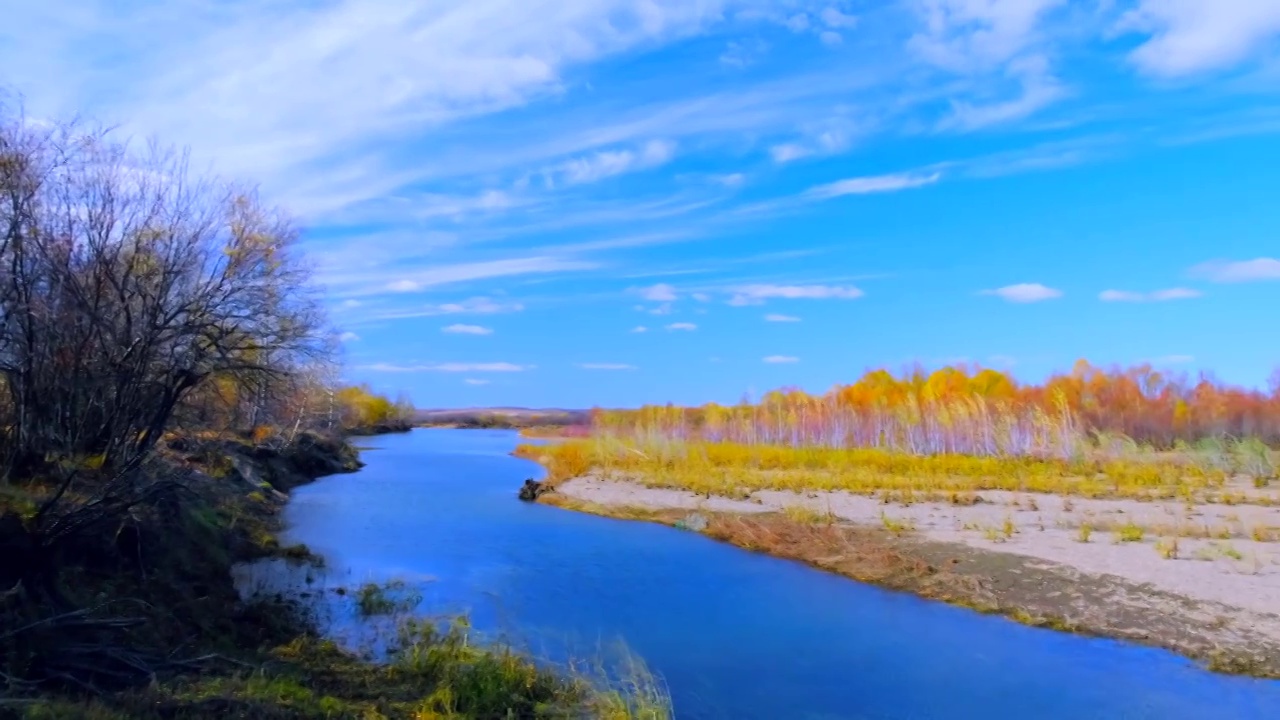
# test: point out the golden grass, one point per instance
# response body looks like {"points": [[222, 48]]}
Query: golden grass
{"points": [[734, 469]]}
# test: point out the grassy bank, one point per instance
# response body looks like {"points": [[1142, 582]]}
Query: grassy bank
{"points": [[139, 618]]}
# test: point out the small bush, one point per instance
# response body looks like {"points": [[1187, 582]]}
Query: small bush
{"points": [[1084, 532], [1129, 532]]}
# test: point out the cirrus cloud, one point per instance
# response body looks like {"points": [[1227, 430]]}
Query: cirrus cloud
{"points": [[873, 184], [758, 294], [686, 326], [781, 359], [1154, 296]]}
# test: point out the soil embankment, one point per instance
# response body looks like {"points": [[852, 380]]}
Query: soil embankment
{"points": [[1022, 555]]}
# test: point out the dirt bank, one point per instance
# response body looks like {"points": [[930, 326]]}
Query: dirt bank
{"points": [[1213, 594]]}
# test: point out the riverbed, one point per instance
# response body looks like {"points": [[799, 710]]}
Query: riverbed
{"points": [[733, 634]]}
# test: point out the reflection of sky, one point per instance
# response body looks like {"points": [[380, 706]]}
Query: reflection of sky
{"points": [[735, 634]]}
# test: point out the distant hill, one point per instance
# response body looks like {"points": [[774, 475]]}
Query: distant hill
{"points": [[500, 416]]}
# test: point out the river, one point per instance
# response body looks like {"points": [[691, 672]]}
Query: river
{"points": [[735, 635]]}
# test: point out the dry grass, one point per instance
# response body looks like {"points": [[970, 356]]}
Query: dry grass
{"points": [[732, 470]]}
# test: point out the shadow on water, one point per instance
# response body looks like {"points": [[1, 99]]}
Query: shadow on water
{"points": [[734, 634]]}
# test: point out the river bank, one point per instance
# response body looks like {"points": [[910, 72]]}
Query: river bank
{"points": [[149, 623], [1017, 555]]}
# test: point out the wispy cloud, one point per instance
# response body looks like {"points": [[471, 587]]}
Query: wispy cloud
{"points": [[393, 279], [470, 306], [608, 163], [758, 294], [873, 184], [475, 381], [1154, 296], [1024, 293], [687, 326], [461, 329], [639, 329], [347, 337], [1227, 271], [606, 366], [454, 367], [778, 318], [333, 77], [781, 359]]}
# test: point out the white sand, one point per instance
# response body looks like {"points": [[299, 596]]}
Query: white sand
{"points": [[1204, 570]]}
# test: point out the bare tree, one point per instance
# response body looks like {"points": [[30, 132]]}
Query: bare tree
{"points": [[125, 285]]}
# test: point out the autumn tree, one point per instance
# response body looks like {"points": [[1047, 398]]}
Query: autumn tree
{"points": [[126, 285]]}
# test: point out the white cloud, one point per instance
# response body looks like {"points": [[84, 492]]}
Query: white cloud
{"points": [[701, 297], [781, 359], [661, 292], [833, 18], [829, 37], [608, 163], [972, 35], [1155, 296], [775, 317], [606, 366], [1175, 294], [475, 381], [392, 278], [1025, 293], [277, 91], [1226, 271], [471, 306], [798, 22], [757, 294], [682, 326], [460, 329], [741, 53], [639, 329], [349, 337], [1000, 44], [729, 180], [1194, 36], [786, 152], [873, 184], [1037, 89], [663, 309], [454, 367]]}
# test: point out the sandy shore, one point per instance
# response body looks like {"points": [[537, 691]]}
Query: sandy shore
{"points": [[1218, 591]]}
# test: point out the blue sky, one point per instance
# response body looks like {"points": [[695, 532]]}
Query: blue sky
{"points": [[499, 194]]}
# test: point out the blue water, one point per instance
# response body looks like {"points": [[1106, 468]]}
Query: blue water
{"points": [[733, 634]]}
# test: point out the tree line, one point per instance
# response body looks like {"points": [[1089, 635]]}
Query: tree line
{"points": [[972, 410]]}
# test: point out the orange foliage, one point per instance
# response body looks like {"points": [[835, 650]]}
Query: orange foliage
{"points": [[979, 411]]}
